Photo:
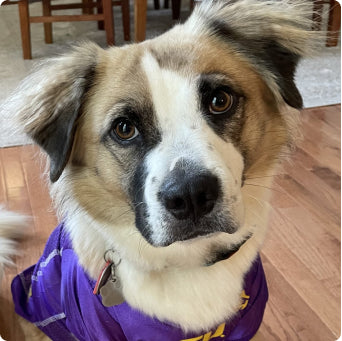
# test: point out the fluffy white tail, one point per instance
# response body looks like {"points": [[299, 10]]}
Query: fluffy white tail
{"points": [[12, 229]]}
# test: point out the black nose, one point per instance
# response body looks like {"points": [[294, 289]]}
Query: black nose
{"points": [[187, 196]]}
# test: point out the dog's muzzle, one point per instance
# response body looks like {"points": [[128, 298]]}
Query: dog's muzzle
{"points": [[192, 201]]}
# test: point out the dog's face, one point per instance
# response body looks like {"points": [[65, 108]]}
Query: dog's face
{"points": [[176, 136], [155, 140]]}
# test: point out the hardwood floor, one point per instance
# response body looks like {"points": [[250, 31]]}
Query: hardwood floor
{"points": [[301, 254]]}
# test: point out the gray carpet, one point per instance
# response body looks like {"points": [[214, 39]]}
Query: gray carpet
{"points": [[318, 78]]}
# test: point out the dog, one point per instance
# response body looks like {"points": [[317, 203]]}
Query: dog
{"points": [[161, 155]]}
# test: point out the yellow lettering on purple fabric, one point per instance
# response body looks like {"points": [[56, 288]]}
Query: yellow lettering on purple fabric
{"points": [[209, 336], [246, 298]]}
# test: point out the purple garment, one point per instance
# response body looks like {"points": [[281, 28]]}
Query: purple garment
{"points": [[56, 295]]}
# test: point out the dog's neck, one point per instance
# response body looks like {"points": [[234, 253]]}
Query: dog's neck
{"points": [[177, 294]]}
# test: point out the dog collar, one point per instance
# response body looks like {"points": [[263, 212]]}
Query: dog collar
{"points": [[109, 286], [224, 255]]}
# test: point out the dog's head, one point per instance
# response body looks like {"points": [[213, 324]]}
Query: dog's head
{"points": [[154, 140]]}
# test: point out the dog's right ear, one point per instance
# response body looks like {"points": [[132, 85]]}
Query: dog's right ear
{"points": [[48, 103]]}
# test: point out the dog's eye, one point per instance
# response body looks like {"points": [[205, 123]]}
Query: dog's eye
{"points": [[220, 102], [125, 130]]}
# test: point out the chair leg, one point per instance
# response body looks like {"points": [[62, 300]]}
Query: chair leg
{"points": [[176, 4], [108, 21], [334, 23], [126, 19], [166, 3], [140, 9], [317, 15], [100, 24], [25, 28], [47, 26], [156, 4]]}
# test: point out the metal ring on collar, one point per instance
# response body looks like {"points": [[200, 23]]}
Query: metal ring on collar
{"points": [[107, 258]]}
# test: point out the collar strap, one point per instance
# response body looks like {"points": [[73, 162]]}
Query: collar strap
{"points": [[224, 255]]}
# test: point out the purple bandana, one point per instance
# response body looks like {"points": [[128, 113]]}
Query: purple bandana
{"points": [[56, 295]]}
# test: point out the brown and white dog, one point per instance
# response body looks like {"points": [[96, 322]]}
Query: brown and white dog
{"points": [[151, 147]]}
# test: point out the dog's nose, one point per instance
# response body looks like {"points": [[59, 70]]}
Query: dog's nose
{"points": [[189, 196]]}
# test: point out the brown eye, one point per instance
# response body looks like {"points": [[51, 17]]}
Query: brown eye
{"points": [[125, 130], [221, 102]]}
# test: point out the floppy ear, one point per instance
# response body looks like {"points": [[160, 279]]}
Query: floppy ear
{"points": [[272, 35], [48, 102]]}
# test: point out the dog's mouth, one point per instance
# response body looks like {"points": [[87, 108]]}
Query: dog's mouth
{"points": [[191, 232], [220, 255]]}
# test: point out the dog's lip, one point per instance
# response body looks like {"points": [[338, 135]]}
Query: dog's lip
{"points": [[229, 253], [195, 235], [190, 239]]}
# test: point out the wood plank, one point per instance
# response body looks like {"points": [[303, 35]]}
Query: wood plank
{"points": [[318, 250], [303, 198], [318, 189], [287, 315], [329, 177], [303, 160], [295, 272], [33, 163], [330, 114], [18, 198]]}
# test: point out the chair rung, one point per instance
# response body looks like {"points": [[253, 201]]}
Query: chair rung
{"points": [[72, 6], [60, 18]]}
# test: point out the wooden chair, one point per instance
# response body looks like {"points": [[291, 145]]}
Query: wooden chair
{"points": [[104, 15]]}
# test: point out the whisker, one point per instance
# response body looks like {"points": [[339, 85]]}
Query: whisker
{"points": [[269, 188], [122, 214], [261, 177]]}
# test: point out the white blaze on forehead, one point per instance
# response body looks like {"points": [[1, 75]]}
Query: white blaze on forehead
{"points": [[174, 96]]}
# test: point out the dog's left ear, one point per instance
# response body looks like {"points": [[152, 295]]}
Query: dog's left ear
{"points": [[48, 103], [271, 35]]}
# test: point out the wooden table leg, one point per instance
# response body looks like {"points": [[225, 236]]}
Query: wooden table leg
{"points": [[25, 28], [334, 23], [47, 26], [108, 21], [140, 9]]}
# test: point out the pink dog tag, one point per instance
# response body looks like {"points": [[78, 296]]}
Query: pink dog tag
{"points": [[103, 277]]}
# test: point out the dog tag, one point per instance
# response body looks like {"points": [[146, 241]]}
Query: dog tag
{"points": [[103, 277], [111, 293]]}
